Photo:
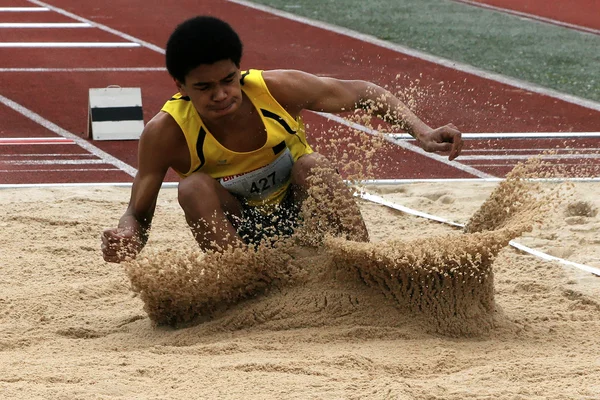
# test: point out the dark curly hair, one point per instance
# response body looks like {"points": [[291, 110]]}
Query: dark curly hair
{"points": [[201, 40]]}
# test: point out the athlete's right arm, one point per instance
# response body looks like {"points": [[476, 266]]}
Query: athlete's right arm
{"points": [[131, 234]]}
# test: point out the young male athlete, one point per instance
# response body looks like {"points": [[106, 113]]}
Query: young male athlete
{"points": [[237, 140]]}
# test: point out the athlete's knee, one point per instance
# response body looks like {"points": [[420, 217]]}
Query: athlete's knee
{"points": [[309, 161], [194, 187], [309, 164]]}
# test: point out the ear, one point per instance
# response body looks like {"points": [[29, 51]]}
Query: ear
{"points": [[180, 87]]}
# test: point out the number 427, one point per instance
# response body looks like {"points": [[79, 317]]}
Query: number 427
{"points": [[263, 183]]}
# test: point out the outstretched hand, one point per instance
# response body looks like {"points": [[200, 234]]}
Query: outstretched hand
{"points": [[120, 244], [445, 139]]}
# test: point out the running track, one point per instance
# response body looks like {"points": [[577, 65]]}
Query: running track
{"points": [[580, 13], [52, 103]]}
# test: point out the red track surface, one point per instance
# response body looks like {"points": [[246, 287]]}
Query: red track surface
{"points": [[585, 13], [472, 103]]}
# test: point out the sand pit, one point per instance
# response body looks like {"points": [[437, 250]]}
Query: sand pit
{"points": [[71, 327]]}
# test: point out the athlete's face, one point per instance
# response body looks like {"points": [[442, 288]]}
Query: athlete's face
{"points": [[214, 89]]}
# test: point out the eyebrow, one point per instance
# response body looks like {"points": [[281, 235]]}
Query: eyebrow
{"points": [[231, 75]]}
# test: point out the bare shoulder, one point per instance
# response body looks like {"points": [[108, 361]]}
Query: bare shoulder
{"points": [[161, 127], [286, 80], [291, 88], [162, 140], [164, 132]]}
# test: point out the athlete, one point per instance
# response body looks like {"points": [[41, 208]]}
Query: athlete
{"points": [[237, 140]]}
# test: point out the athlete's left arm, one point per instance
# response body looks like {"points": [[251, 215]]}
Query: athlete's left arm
{"points": [[297, 90]]}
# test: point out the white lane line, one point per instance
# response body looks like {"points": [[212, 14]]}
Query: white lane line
{"points": [[527, 156], [41, 25], [47, 155], [165, 185], [460, 180], [53, 162], [109, 159], [23, 9], [511, 165], [457, 66], [514, 135], [408, 146], [53, 70], [531, 16], [59, 170], [537, 253], [567, 150], [67, 44], [31, 139], [34, 141], [100, 26], [508, 163]]}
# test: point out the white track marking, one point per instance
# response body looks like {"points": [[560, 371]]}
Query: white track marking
{"points": [[528, 156], [567, 150], [539, 254], [109, 159], [47, 155], [59, 170], [100, 26], [384, 202], [513, 135], [165, 185], [42, 25], [376, 182], [53, 162], [408, 146], [460, 180], [23, 9], [457, 66], [67, 44], [34, 141], [511, 165], [531, 16], [53, 70]]}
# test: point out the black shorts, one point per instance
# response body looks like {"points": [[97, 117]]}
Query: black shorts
{"points": [[256, 226]]}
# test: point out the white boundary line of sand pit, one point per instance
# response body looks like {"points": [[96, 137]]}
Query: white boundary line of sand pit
{"points": [[363, 195], [369, 182], [547, 257]]}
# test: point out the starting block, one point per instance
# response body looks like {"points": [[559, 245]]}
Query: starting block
{"points": [[115, 113]]}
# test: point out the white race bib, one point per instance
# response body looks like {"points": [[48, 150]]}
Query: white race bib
{"points": [[262, 182]]}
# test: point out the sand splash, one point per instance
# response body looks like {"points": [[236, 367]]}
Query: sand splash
{"points": [[177, 287], [446, 279], [521, 199]]}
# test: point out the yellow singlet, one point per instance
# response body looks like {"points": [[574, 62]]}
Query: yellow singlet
{"points": [[261, 176]]}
